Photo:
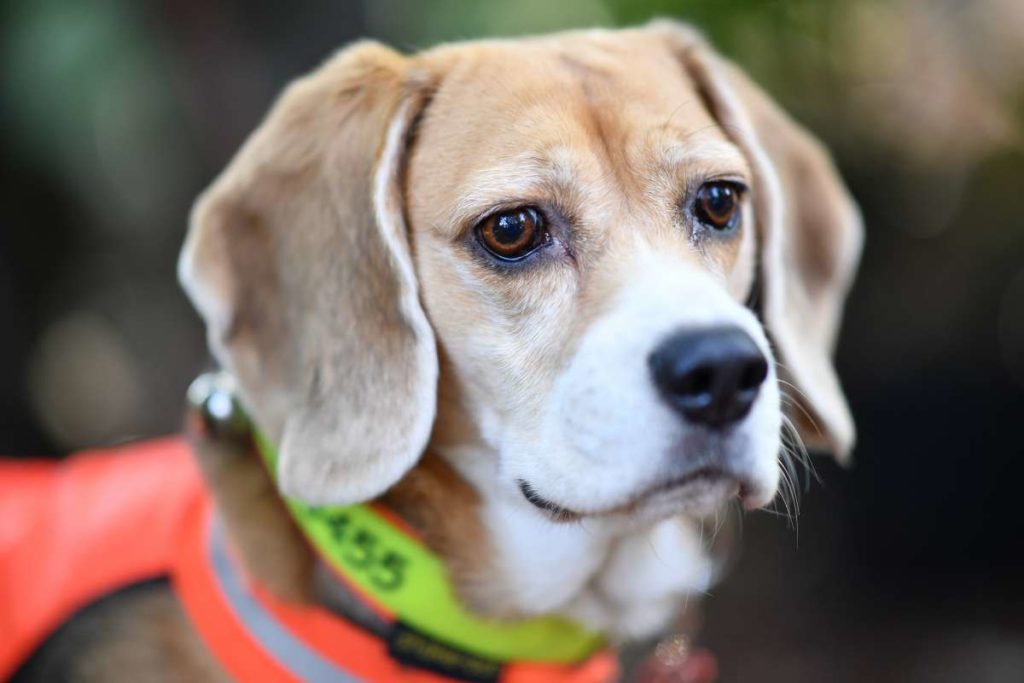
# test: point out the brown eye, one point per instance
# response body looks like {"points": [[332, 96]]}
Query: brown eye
{"points": [[718, 205], [512, 235]]}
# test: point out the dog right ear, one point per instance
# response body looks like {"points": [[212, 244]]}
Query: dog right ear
{"points": [[298, 260], [810, 235]]}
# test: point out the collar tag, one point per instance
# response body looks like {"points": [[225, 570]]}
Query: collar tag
{"points": [[412, 648]]}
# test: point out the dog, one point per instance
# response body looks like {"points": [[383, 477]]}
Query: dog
{"points": [[548, 301]]}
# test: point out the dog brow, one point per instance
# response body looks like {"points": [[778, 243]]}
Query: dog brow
{"points": [[522, 177], [688, 149]]}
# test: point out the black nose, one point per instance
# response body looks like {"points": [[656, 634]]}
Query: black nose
{"points": [[710, 376]]}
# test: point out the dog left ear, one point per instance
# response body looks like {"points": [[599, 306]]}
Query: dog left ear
{"points": [[298, 259], [810, 236]]}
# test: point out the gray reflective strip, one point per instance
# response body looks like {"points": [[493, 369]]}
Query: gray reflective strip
{"points": [[289, 651]]}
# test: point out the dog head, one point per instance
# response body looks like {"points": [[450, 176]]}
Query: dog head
{"points": [[559, 237]]}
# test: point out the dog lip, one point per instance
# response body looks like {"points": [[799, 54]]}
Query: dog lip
{"points": [[560, 513], [533, 497], [557, 512], [689, 478], [746, 490]]}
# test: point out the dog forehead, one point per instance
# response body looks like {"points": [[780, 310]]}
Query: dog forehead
{"points": [[576, 105]]}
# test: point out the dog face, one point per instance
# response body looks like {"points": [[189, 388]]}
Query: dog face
{"points": [[559, 236], [563, 244]]}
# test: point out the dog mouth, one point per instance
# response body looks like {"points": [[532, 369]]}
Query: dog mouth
{"points": [[728, 484]]}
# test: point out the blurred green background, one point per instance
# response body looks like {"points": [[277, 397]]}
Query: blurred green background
{"points": [[909, 567]]}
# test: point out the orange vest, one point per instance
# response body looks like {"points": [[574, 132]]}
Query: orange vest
{"points": [[73, 531]]}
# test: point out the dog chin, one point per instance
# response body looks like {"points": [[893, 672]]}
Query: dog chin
{"points": [[704, 496]]}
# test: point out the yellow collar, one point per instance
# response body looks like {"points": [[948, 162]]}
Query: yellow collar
{"points": [[401, 576]]}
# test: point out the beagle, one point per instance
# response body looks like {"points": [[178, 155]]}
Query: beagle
{"points": [[550, 301]]}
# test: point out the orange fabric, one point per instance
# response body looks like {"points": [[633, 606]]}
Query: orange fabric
{"points": [[600, 668], [366, 657], [73, 531], [362, 655], [225, 636], [349, 647]]}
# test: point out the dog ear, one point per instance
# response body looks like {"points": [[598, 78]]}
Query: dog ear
{"points": [[810, 237], [299, 261]]}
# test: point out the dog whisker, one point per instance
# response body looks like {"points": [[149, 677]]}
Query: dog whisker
{"points": [[791, 438], [791, 401]]}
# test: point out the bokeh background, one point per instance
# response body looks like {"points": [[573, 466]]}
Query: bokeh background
{"points": [[114, 114]]}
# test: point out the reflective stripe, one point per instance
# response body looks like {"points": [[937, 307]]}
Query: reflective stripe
{"points": [[303, 662]]}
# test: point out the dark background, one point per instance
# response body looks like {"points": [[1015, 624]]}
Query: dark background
{"points": [[909, 566]]}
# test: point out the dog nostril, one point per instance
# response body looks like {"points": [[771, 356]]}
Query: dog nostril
{"points": [[711, 377], [754, 374], [697, 382]]}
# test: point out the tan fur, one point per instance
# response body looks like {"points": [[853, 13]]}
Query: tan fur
{"points": [[811, 234], [588, 105], [144, 636], [600, 126], [442, 507], [255, 517], [151, 640], [331, 361]]}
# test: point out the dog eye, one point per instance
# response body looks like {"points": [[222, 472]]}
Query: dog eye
{"points": [[512, 235], [717, 205]]}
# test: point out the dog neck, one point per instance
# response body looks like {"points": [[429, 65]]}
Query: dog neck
{"points": [[506, 559]]}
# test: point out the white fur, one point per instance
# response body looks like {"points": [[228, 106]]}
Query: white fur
{"points": [[625, 574], [612, 446], [623, 579]]}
